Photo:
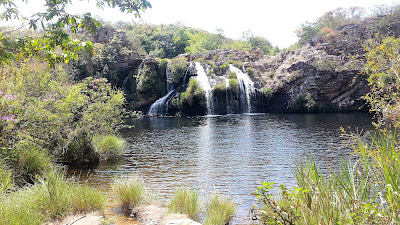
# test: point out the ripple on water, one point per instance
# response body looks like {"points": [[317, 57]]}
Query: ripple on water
{"points": [[228, 154]]}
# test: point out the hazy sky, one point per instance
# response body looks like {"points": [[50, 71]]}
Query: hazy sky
{"points": [[275, 20]]}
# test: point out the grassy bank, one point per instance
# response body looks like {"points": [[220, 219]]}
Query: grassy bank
{"points": [[48, 199], [362, 191]]}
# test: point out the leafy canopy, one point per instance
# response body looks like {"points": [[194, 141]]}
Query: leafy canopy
{"points": [[54, 44]]}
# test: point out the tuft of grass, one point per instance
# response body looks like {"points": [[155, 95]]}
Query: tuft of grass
{"points": [[48, 199], [108, 146], [130, 191], [219, 211], [86, 199], [31, 160], [185, 201], [234, 85], [221, 87]]}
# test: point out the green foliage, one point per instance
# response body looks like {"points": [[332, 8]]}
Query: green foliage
{"points": [[232, 75], [185, 201], [221, 87], [234, 85], [55, 114], [178, 68], [30, 160], [146, 78], [268, 93], [219, 211], [257, 42], [50, 198], [192, 93], [108, 146], [383, 70], [162, 65], [130, 191], [55, 44], [303, 103], [236, 63], [328, 26], [249, 71]]}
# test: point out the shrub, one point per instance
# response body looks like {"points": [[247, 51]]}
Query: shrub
{"points": [[234, 85], [130, 191], [232, 75], [31, 160], [185, 201], [108, 146], [221, 87], [178, 70], [219, 211], [236, 63], [382, 70], [192, 93], [146, 78], [303, 103], [249, 71], [224, 66]]}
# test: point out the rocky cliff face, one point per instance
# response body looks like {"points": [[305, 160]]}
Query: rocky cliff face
{"points": [[320, 78], [311, 79]]}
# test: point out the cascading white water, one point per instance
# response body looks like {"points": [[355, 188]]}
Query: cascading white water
{"points": [[160, 107], [202, 80], [246, 89]]}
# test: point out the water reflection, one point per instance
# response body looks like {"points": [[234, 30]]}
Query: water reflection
{"points": [[228, 154]]}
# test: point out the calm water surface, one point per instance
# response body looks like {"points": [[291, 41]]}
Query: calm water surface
{"points": [[230, 154]]}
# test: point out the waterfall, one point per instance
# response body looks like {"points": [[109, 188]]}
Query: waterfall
{"points": [[202, 80], [160, 107], [246, 89]]}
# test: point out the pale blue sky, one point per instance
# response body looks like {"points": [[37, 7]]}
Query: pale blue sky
{"points": [[275, 20]]}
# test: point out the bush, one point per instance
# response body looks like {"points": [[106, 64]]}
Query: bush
{"points": [[234, 85], [108, 146], [178, 70], [221, 87], [146, 78], [382, 70], [130, 191], [192, 93], [219, 211], [31, 160], [232, 75], [185, 201]]}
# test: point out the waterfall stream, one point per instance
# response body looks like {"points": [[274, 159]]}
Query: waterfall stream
{"points": [[246, 89], [160, 107], [202, 80]]}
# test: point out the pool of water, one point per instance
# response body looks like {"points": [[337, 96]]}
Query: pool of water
{"points": [[230, 154]]}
